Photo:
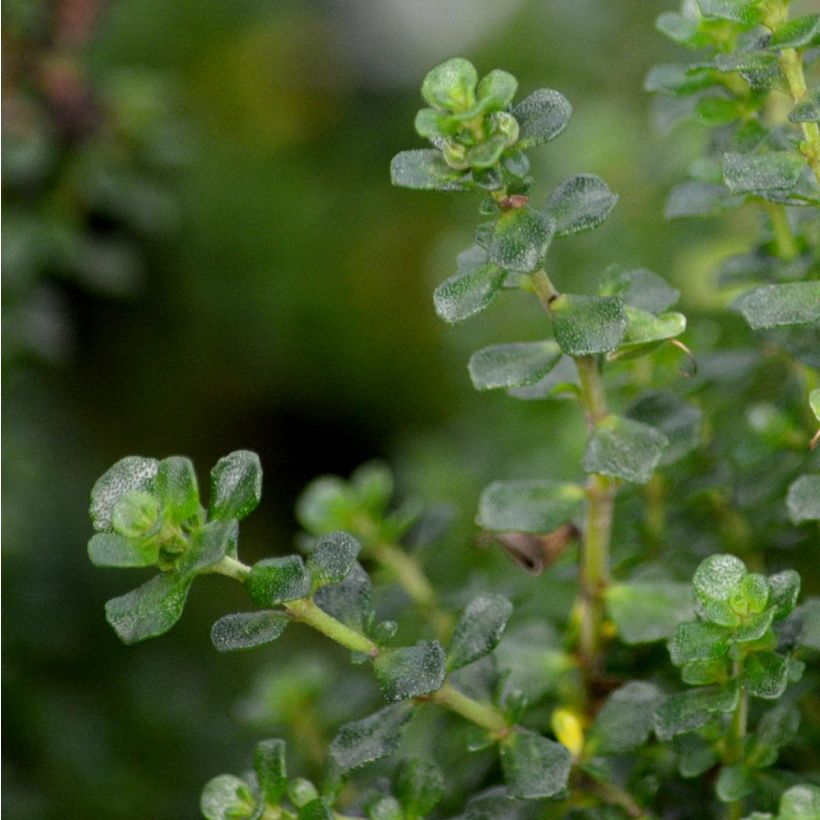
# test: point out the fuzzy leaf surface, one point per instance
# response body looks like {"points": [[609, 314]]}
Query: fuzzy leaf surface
{"points": [[580, 204], [512, 365], [410, 671], [478, 630], [534, 766], [247, 630], [585, 325], [535, 506], [541, 117], [624, 448]]}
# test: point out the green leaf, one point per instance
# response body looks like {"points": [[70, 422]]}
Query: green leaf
{"points": [[645, 332], [765, 675], [698, 640], [786, 304], [370, 738], [719, 110], [424, 169], [800, 803], [646, 611], [315, 810], [624, 448], [797, 33], [236, 485], [332, 559], [803, 499], [176, 488], [740, 11], [678, 80], [276, 580], [683, 29], [410, 671], [808, 109], [302, 792], [734, 783], [486, 154], [580, 204], [714, 581], [814, 402], [512, 365], [773, 171], [136, 515], [473, 288], [750, 595], [419, 786], [692, 709], [704, 672], [774, 730], [149, 610], [695, 755], [560, 382], [496, 90], [450, 86], [754, 627], [784, 588], [270, 769], [129, 473], [373, 484], [383, 807], [226, 797], [585, 325], [639, 288], [528, 506], [541, 117], [350, 601], [326, 504], [210, 545], [247, 630], [678, 420], [106, 549], [625, 721], [520, 240], [534, 766], [698, 199], [478, 630]]}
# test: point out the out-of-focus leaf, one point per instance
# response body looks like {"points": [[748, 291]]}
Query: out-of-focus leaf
{"points": [[624, 448], [528, 506], [625, 721], [804, 499], [787, 304], [513, 365], [645, 611], [370, 738]]}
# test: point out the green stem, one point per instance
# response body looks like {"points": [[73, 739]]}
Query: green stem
{"points": [[783, 237], [776, 14], [594, 575], [736, 738], [415, 583], [307, 612], [481, 714], [231, 567], [594, 570]]}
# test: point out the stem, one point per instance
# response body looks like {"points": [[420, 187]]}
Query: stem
{"points": [[594, 575], [482, 714], [791, 64], [783, 237], [736, 737], [231, 567], [307, 612], [594, 569], [415, 583]]}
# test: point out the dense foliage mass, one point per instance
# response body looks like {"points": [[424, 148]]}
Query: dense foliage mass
{"points": [[673, 536]]}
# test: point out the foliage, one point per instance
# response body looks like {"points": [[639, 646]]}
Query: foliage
{"points": [[598, 733]]}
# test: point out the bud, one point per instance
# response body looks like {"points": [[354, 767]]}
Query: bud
{"points": [[136, 515], [450, 86], [569, 730]]}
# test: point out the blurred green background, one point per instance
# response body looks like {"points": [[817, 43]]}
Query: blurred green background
{"points": [[202, 252]]}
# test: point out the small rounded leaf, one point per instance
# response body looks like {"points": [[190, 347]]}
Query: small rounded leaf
{"points": [[765, 675], [785, 587], [534, 766], [107, 549], [496, 90], [512, 365], [528, 506], [149, 610], [520, 240], [793, 303], [410, 671], [473, 288], [419, 786], [580, 204], [276, 580], [129, 473], [236, 485], [271, 773], [370, 738], [624, 448], [176, 488], [332, 559], [717, 576], [803, 499], [450, 86], [226, 797], [478, 630], [585, 325], [541, 117], [246, 630], [625, 721]]}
